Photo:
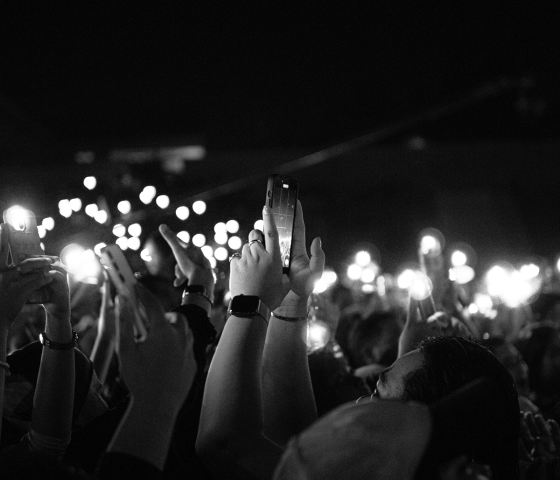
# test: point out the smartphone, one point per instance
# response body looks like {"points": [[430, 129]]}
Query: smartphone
{"points": [[23, 241], [281, 197], [122, 277]]}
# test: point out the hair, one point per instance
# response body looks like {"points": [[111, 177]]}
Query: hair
{"points": [[486, 430]]}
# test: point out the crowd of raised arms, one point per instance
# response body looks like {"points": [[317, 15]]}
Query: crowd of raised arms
{"points": [[218, 392]]}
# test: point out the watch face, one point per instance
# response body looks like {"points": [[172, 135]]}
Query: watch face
{"points": [[244, 304]]}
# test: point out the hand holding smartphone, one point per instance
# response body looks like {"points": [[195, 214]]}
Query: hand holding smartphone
{"points": [[281, 197], [125, 282]]}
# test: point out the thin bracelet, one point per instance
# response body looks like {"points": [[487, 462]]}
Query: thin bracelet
{"points": [[6, 366], [186, 294], [288, 319], [47, 342]]}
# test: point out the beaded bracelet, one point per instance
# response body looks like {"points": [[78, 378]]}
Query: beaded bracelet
{"points": [[288, 319], [186, 294], [6, 366], [46, 342]]}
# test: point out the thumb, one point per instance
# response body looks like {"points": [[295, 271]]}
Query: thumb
{"points": [[317, 260], [124, 323]]}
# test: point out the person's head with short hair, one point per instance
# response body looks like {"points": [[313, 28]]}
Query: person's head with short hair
{"points": [[441, 366]]}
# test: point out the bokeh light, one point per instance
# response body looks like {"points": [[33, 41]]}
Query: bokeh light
{"points": [[199, 207], [182, 212], [199, 240]]}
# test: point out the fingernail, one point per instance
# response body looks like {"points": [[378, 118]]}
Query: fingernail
{"points": [[320, 242], [266, 209]]}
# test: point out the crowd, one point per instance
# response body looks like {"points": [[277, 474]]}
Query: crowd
{"points": [[235, 390]]}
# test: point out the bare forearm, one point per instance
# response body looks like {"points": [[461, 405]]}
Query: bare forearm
{"points": [[102, 354], [289, 404]]}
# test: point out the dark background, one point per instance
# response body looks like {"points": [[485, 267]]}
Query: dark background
{"points": [[464, 98]]}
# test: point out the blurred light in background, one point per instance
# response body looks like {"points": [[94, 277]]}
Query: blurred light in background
{"points": [[213, 262], [483, 303], [363, 258], [145, 255], [511, 286], [133, 243], [91, 209], [82, 264], [101, 216], [405, 279], [367, 288], [162, 201], [42, 231], [199, 240], [76, 204], [259, 225], [64, 208], [199, 207], [529, 271], [354, 272], [558, 265], [368, 274], [221, 253], [431, 241], [182, 213], [428, 244], [90, 182], [381, 285], [221, 238], [185, 237], [328, 278], [220, 227], [124, 207], [97, 249], [232, 226], [119, 230], [48, 223], [235, 243], [135, 230], [207, 251], [17, 217], [318, 335], [122, 242], [497, 279], [147, 194], [461, 274], [458, 258], [420, 286]]}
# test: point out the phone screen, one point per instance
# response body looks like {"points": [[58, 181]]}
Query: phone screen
{"points": [[282, 194]]}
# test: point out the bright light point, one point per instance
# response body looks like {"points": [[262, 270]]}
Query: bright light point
{"points": [[483, 303], [227, 296], [354, 272], [207, 251], [221, 238], [124, 207], [182, 213], [162, 201], [221, 253], [327, 279], [66, 212], [145, 198], [452, 274], [199, 207], [458, 258], [150, 191], [497, 279], [363, 258], [42, 231], [185, 237], [42, 245], [461, 274], [259, 225], [199, 240], [76, 204], [367, 288], [330, 276], [97, 249], [48, 223], [429, 244], [17, 217], [62, 204], [91, 209], [368, 275], [71, 256], [318, 335], [473, 309], [213, 262], [135, 230], [133, 243], [101, 216], [90, 182], [122, 242], [145, 255], [381, 288], [220, 227], [405, 279], [529, 271], [235, 243], [420, 286], [558, 265], [119, 230], [232, 226]]}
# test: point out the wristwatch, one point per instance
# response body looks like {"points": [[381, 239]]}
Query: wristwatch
{"points": [[248, 306]]}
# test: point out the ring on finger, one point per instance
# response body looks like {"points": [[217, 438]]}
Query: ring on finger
{"points": [[235, 255], [255, 240]]}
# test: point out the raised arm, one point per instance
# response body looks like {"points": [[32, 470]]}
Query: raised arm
{"points": [[289, 404], [51, 423], [230, 436]]}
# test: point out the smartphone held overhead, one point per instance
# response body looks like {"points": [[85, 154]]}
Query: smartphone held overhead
{"points": [[281, 197]]}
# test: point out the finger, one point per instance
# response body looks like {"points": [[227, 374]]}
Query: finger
{"points": [[555, 433], [245, 252], [531, 425], [413, 312], [180, 277], [272, 243], [544, 429], [34, 284], [523, 452], [124, 324], [256, 241], [317, 260], [525, 436], [256, 234], [178, 251], [31, 264], [298, 236]]}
